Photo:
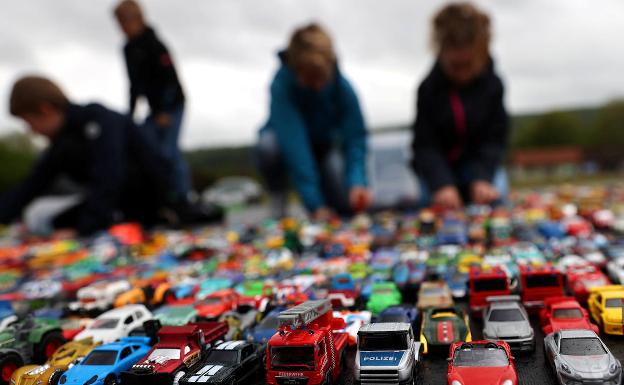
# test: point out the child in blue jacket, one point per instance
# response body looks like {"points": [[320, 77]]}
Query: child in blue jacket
{"points": [[315, 133]]}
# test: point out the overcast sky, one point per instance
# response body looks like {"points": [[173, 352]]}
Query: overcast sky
{"points": [[551, 53]]}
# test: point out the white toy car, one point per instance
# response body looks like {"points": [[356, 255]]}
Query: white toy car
{"points": [[99, 295], [116, 323], [615, 269]]}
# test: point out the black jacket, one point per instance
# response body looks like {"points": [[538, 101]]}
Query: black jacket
{"points": [[103, 151], [152, 73], [439, 148]]}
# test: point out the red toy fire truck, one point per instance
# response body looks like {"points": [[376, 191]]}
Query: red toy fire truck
{"points": [[539, 283], [307, 348], [483, 283]]}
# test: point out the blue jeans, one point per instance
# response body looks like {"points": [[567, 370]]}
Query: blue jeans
{"points": [[330, 166], [500, 182], [166, 140]]}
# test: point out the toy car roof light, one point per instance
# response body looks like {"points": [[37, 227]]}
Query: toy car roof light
{"points": [[503, 298], [304, 314]]}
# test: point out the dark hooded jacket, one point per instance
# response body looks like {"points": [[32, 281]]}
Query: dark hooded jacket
{"points": [[457, 129], [152, 73], [104, 152]]}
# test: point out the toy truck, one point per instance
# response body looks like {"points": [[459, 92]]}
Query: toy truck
{"points": [[307, 349], [179, 350], [539, 283], [387, 353], [483, 283]]}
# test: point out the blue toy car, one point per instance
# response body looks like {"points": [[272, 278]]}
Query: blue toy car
{"points": [[399, 313], [457, 282], [105, 363], [452, 232], [408, 274], [263, 331]]}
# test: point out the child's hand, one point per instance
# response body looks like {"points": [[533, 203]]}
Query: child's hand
{"points": [[483, 192], [163, 119], [448, 197], [359, 198]]}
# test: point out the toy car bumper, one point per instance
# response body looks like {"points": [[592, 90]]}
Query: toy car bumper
{"points": [[130, 378], [521, 345], [598, 378], [613, 328]]}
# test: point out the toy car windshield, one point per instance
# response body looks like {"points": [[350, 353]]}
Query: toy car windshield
{"points": [[171, 354], [493, 284], [101, 357], [222, 356], [542, 280], [433, 291], [292, 357], [506, 315], [104, 323], [481, 356], [614, 302], [393, 318], [581, 347], [385, 341], [567, 313]]}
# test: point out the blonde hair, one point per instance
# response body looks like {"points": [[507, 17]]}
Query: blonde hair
{"points": [[311, 46], [459, 25], [29, 92], [128, 8]]}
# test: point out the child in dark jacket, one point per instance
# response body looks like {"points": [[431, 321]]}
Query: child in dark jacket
{"points": [[315, 132], [461, 129], [101, 150], [152, 74]]}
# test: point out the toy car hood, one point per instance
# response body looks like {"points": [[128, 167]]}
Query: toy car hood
{"points": [[157, 364], [588, 364], [508, 329], [211, 373], [490, 375], [80, 374]]}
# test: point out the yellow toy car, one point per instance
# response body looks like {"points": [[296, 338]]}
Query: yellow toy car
{"points": [[606, 304], [64, 358]]}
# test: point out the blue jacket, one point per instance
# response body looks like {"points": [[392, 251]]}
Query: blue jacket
{"points": [[303, 119]]}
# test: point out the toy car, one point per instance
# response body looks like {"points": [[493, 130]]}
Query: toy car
{"points": [[228, 363], [442, 327], [217, 303], [387, 353], [452, 232], [343, 291], [265, 329], [605, 307], [104, 364], [354, 320], [7, 315], [32, 340], [63, 358], [457, 282], [433, 294], [615, 270], [176, 315], [561, 313], [484, 283], [399, 313], [99, 296], [481, 362], [506, 319], [179, 350], [238, 321], [116, 323], [580, 356], [581, 279], [385, 294], [538, 283]]}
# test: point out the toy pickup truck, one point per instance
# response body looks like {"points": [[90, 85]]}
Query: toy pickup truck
{"points": [[307, 349], [179, 350], [387, 353]]}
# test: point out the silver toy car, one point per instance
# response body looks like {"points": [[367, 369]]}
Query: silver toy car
{"points": [[504, 318], [580, 357]]}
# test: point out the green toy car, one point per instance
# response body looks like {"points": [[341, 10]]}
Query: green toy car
{"points": [[176, 315], [383, 295], [30, 341], [441, 327]]}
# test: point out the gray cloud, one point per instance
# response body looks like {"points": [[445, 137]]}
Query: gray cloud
{"points": [[551, 53]]}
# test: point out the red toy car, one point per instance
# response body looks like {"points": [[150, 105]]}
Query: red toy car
{"points": [[581, 279], [539, 283], [217, 303], [480, 363], [484, 283], [308, 348], [179, 350], [561, 313]]}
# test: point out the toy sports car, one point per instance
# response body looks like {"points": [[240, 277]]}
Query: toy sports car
{"points": [[506, 319], [116, 323], [384, 294], [580, 356], [64, 358], [480, 363], [442, 327], [560, 313], [434, 294], [106, 362], [228, 363], [264, 330], [605, 307]]}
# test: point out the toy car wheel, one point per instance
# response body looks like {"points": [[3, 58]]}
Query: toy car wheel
{"points": [[55, 377], [177, 377], [48, 345], [110, 380], [8, 364]]}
